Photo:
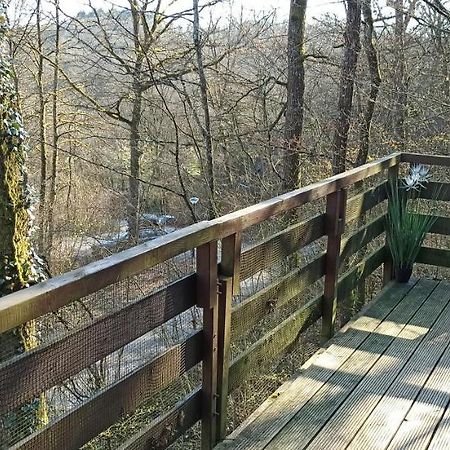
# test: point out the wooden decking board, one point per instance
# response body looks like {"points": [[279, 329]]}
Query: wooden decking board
{"points": [[356, 408], [259, 429], [418, 426], [384, 421], [441, 437], [314, 415], [384, 384]]}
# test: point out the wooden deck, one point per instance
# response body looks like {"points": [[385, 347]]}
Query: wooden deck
{"points": [[381, 383]]}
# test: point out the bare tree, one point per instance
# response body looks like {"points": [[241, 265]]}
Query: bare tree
{"points": [[371, 50], [348, 74], [293, 132], [206, 126]]}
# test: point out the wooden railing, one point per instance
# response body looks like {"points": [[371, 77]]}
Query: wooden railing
{"points": [[211, 288]]}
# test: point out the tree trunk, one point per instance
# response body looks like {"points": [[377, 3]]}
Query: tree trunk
{"points": [[401, 95], [55, 138], [348, 74], [18, 268], [293, 131], [133, 209], [206, 128], [42, 133], [375, 81], [135, 164]]}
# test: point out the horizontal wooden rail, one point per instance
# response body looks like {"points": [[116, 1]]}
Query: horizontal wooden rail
{"points": [[164, 430], [434, 256], [95, 415], [441, 226], [360, 204], [362, 237], [273, 343], [279, 246], [89, 344], [28, 304], [248, 313], [362, 270], [432, 160], [436, 191]]}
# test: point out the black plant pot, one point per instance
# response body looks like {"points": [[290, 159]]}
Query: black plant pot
{"points": [[403, 274]]}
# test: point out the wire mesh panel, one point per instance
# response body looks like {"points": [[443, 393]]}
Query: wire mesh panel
{"points": [[130, 365]]}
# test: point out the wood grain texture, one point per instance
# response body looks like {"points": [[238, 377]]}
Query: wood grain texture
{"points": [[363, 236], [278, 247], [349, 280], [434, 257], [86, 421], [28, 304], [273, 343], [358, 205], [89, 344], [262, 426], [164, 430], [432, 160], [253, 309], [335, 216]]}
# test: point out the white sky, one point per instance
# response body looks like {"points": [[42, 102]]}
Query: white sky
{"points": [[315, 7]]}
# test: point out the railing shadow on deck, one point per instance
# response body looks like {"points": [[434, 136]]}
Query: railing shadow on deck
{"points": [[210, 288], [344, 405]]}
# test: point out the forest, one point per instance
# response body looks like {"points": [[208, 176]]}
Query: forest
{"points": [[149, 109], [126, 121]]}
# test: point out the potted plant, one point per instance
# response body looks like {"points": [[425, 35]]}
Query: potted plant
{"points": [[406, 228]]}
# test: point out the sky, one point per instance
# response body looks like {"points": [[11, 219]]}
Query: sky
{"points": [[315, 7]]}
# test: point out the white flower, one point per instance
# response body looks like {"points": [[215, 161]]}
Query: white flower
{"points": [[412, 181], [421, 171]]}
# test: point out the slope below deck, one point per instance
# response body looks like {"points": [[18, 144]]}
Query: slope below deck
{"points": [[382, 383]]}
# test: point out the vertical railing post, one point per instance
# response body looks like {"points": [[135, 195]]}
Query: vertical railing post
{"points": [[207, 299], [388, 266], [223, 354], [228, 285], [335, 222]]}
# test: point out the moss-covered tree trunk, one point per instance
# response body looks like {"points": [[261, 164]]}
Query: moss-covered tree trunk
{"points": [[18, 265]]}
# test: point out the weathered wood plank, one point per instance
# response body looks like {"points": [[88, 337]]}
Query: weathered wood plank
{"points": [[434, 256], [351, 414], [362, 270], [164, 430], [207, 298], [335, 216], [358, 205], [274, 343], [259, 429], [441, 437], [230, 263], [386, 417], [436, 190], [89, 344], [223, 353], [425, 414], [311, 417], [441, 226], [362, 237], [86, 421], [278, 247], [388, 266], [28, 304], [253, 309], [432, 160]]}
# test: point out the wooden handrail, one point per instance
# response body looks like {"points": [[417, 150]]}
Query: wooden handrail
{"points": [[221, 321], [30, 303]]}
